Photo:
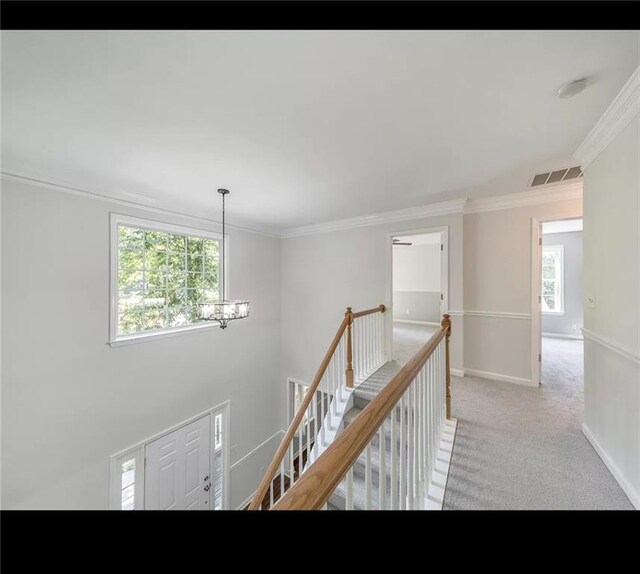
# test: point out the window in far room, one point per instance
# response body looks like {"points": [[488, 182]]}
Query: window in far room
{"points": [[552, 279]]}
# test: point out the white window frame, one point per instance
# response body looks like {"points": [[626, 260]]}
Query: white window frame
{"points": [[137, 451], [559, 279], [115, 478], [117, 219]]}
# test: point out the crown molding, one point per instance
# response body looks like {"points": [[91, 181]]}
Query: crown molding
{"points": [[430, 210], [617, 116], [135, 201], [550, 194]]}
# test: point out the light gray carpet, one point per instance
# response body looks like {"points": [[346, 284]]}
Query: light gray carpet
{"points": [[407, 340], [522, 447]]}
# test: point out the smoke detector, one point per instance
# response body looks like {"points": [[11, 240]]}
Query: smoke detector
{"points": [[572, 88]]}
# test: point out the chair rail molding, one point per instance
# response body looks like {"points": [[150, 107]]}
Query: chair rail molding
{"points": [[498, 315], [611, 345], [616, 117]]}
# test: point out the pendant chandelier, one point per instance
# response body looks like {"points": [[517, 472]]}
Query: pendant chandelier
{"points": [[222, 310]]}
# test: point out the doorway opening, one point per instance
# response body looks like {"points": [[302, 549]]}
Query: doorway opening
{"points": [[418, 288], [561, 352]]}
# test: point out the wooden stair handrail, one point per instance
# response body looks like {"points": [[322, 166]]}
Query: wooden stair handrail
{"points": [[378, 309], [316, 485], [297, 419]]}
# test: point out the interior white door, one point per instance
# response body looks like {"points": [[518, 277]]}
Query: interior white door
{"points": [[177, 474]]}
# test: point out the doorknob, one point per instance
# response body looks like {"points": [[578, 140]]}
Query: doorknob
{"points": [[206, 488]]}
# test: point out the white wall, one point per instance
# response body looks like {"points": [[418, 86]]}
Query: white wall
{"points": [[1, 195], [325, 273], [611, 275], [497, 287], [417, 271], [572, 278], [69, 400], [416, 268]]}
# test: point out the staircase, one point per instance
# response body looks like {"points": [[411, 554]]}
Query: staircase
{"points": [[384, 435]]}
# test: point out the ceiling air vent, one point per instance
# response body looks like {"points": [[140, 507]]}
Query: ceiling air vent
{"points": [[555, 176]]}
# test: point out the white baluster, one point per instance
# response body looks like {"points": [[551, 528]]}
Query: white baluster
{"points": [[419, 459], [436, 392], [425, 444], [308, 428], [336, 388], [410, 437], [316, 419], [394, 460], [367, 478], [381, 338], [403, 456], [382, 472], [378, 317], [358, 341], [349, 490], [361, 346], [425, 436], [374, 340], [323, 386], [271, 495], [416, 423], [370, 342], [291, 470], [281, 477], [430, 375], [441, 393], [365, 346], [300, 447], [354, 343]]}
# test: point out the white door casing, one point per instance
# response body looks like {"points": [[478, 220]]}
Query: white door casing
{"points": [[178, 472], [444, 275], [536, 290]]}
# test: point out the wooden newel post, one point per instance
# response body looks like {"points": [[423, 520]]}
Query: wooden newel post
{"points": [[446, 324], [349, 369]]}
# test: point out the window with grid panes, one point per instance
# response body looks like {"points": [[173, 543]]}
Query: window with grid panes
{"points": [[552, 279], [162, 275]]}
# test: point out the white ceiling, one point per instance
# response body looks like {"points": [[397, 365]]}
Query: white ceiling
{"points": [[562, 226], [302, 126]]}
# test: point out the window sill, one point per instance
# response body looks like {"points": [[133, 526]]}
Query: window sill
{"points": [[145, 337], [553, 313]]}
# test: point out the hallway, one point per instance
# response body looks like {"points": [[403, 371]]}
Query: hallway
{"points": [[521, 447]]}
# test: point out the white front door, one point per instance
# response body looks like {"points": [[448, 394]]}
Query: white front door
{"points": [[177, 474]]}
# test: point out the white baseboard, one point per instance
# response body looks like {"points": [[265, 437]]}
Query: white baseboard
{"points": [[426, 323], [562, 336], [499, 377], [457, 372], [632, 495]]}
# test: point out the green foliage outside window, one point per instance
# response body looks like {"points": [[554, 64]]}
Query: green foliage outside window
{"points": [[162, 277]]}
